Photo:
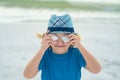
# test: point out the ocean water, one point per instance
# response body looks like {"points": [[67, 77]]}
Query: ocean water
{"points": [[100, 34]]}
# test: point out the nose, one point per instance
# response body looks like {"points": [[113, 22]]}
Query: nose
{"points": [[60, 42]]}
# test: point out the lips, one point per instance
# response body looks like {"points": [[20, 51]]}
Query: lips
{"points": [[60, 46]]}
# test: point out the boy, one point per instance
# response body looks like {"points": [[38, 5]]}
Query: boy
{"points": [[61, 55]]}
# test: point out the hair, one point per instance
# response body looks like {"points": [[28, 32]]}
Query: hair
{"points": [[40, 36]]}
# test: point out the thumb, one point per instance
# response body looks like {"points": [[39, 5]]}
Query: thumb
{"points": [[71, 43]]}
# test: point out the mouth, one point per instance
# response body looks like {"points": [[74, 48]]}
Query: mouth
{"points": [[60, 46]]}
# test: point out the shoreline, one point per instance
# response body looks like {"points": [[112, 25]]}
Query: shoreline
{"points": [[11, 15]]}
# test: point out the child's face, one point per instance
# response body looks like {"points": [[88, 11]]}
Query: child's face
{"points": [[60, 43]]}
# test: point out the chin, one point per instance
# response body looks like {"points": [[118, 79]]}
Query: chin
{"points": [[61, 50]]}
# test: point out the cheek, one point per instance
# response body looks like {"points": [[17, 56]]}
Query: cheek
{"points": [[66, 44], [55, 44]]}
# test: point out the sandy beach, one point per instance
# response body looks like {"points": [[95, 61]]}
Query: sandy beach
{"points": [[18, 44]]}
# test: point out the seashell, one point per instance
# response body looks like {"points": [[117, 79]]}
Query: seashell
{"points": [[54, 38], [65, 39]]}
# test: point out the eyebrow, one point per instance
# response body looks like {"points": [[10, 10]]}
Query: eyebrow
{"points": [[54, 33]]}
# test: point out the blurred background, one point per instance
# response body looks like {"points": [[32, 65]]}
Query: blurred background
{"points": [[35, 10], [97, 21]]}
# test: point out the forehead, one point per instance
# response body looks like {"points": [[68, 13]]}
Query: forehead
{"points": [[61, 34]]}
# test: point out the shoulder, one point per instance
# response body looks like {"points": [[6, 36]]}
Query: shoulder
{"points": [[47, 53]]}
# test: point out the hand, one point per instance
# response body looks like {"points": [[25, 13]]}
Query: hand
{"points": [[46, 41], [74, 40]]}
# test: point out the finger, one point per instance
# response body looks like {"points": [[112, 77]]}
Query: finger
{"points": [[70, 35], [46, 35], [47, 42], [71, 43], [72, 38], [50, 42], [46, 38]]}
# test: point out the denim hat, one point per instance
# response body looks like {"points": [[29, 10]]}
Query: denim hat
{"points": [[60, 24]]}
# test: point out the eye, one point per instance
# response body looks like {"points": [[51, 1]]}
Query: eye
{"points": [[65, 38], [54, 38]]}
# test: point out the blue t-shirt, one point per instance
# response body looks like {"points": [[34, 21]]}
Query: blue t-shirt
{"points": [[65, 66]]}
